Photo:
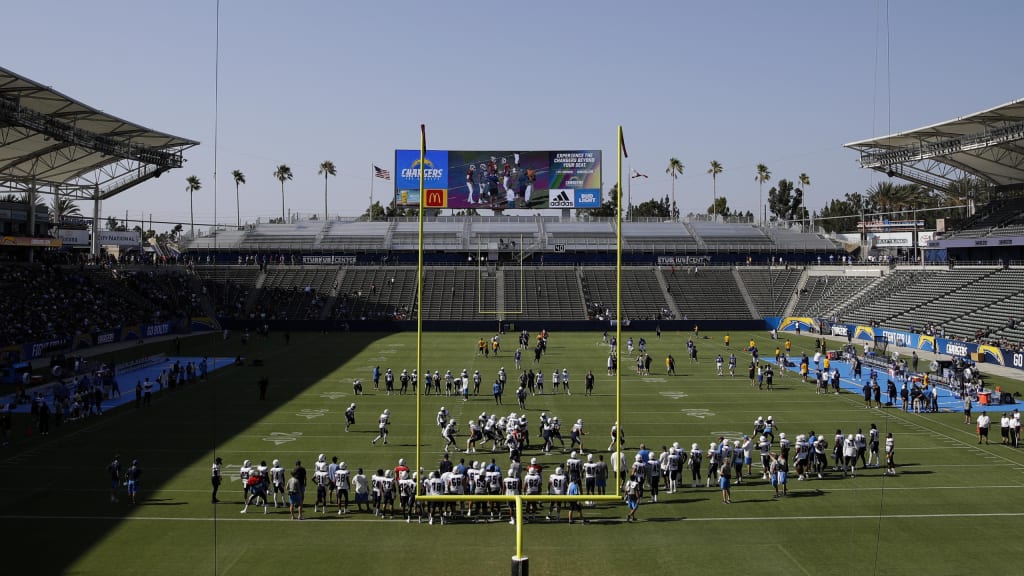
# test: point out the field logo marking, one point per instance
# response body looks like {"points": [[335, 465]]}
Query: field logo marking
{"points": [[701, 413], [310, 413], [333, 395], [674, 394], [279, 438], [652, 380]]}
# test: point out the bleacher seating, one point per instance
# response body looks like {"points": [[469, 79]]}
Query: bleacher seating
{"points": [[642, 296], [376, 294], [707, 293], [771, 290]]}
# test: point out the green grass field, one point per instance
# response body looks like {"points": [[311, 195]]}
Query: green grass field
{"points": [[954, 508]]}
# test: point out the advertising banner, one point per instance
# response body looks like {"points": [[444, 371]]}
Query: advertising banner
{"points": [[500, 179]]}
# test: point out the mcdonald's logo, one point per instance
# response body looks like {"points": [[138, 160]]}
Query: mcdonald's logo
{"points": [[435, 198]]}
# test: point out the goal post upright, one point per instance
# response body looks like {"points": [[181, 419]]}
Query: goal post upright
{"points": [[519, 561]]}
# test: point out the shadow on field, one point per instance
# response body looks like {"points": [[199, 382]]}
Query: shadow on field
{"points": [[805, 493], [182, 429], [914, 472]]}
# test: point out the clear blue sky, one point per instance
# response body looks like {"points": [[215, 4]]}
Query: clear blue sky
{"points": [[784, 83]]}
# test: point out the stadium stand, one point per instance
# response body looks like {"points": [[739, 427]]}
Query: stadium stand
{"points": [[375, 294], [770, 289], [707, 293]]}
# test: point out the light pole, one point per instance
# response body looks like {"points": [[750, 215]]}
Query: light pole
{"points": [[629, 190]]}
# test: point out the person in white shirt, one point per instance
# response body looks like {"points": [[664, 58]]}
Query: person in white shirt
{"points": [[277, 481], [983, 424]]}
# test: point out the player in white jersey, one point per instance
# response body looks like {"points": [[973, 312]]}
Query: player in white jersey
{"points": [[341, 484], [890, 455], [277, 481], [450, 429], [243, 474], [532, 486], [556, 487], [215, 479], [387, 494], [565, 381], [407, 496], [576, 435], [696, 459], [434, 487], [442, 418], [321, 479], [718, 364], [382, 427], [590, 474], [350, 416], [556, 379], [574, 466], [511, 486]]}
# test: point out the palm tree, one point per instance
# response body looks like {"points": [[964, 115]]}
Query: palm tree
{"points": [[675, 170], [763, 175], [61, 207], [283, 173], [715, 169], [239, 179], [805, 181], [327, 169], [193, 185]]}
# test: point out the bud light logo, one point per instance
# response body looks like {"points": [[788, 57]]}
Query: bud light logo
{"points": [[588, 199], [954, 349]]}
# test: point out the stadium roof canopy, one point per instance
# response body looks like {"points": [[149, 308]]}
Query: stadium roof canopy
{"points": [[48, 140], [987, 145]]}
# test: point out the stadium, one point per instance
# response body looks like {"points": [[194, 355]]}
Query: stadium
{"points": [[248, 342]]}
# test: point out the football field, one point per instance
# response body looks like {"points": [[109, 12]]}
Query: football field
{"points": [[954, 506]]}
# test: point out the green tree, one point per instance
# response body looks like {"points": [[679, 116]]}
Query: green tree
{"points": [[786, 202], [653, 209], [113, 224], [675, 170], [326, 169], [762, 176], [282, 174], [720, 207], [192, 185], [715, 169], [176, 232], [374, 212], [842, 214], [239, 178]]}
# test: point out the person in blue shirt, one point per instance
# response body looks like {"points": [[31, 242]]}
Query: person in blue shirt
{"points": [[575, 507], [497, 392]]}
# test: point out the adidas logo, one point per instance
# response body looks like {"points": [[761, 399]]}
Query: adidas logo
{"points": [[561, 200]]}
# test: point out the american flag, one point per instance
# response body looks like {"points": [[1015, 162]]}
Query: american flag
{"points": [[381, 173]]}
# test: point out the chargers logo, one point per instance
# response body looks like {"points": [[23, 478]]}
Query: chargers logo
{"points": [[561, 198], [429, 172], [954, 349]]}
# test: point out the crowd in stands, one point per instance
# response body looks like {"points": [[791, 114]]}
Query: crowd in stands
{"points": [[42, 302]]}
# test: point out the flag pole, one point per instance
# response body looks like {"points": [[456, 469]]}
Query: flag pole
{"points": [[369, 212]]}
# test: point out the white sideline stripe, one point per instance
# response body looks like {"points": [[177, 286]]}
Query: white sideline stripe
{"points": [[375, 520]]}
